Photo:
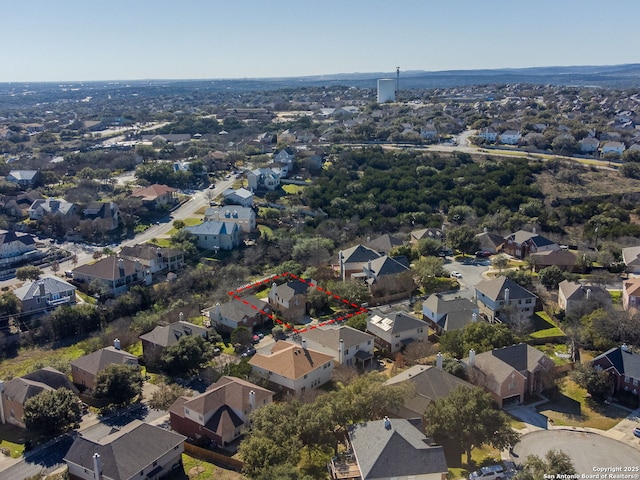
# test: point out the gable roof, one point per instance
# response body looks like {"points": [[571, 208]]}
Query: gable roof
{"points": [[125, 452], [489, 241], [165, 336], [522, 236], [147, 251], [632, 287], [108, 268], [240, 192], [631, 255], [495, 289], [290, 360], [330, 336], [623, 360], [384, 243], [22, 388], [576, 291], [152, 192], [213, 227], [249, 306], [100, 359], [389, 265], [555, 257], [397, 322], [394, 448]]}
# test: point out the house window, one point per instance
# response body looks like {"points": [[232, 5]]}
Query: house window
{"points": [[305, 376], [369, 342], [512, 386], [528, 300], [346, 352], [420, 330]]}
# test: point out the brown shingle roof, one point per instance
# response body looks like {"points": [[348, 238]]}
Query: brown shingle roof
{"points": [[152, 192], [290, 360], [98, 360], [107, 268]]}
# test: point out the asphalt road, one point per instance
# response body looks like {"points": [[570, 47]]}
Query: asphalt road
{"points": [[586, 450], [471, 275]]}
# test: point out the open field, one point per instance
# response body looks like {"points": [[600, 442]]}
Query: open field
{"points": [[592, 183]]}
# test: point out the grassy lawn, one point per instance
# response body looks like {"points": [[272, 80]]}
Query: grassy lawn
{"points": [[31, 359], [616, 297], [571, 407], [550, 350], [544, 327], [195, 468], [293, 189], [162, 242], [265, 231]]}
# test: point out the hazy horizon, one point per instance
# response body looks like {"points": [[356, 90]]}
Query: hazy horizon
{"points": [[79, 41]]}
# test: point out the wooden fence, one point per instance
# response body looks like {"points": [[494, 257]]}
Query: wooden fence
{"points": [[213, 457]]}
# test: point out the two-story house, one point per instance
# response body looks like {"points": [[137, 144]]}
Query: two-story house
{"points": [[16, 247], [247, 311], [623, 366], [394, 330], [221, 413], [45, 294], [216, 235], [84, 370], [631, 294], [112, 276], [262, 179], [501, 298], [448, 315], [240, 196], [522, 244], [289, 300], [579, 300], [345, 344], [244, 217], [156, 196], [354, 259], [51, 206], [154, 259], [292, 368], [163, 336]]}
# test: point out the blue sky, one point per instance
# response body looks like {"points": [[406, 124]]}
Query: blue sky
{"points": [[67, 40]]}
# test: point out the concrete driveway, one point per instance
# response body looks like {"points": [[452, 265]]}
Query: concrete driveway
{"points": [[588, 451], [529, 415]]}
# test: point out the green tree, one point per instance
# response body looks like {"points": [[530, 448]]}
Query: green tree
{"points": [[165, 395], [556, 464], [187, 355], [463, 239], [353, 291], [479, 336], [28, 272], [241, 335], [596, 383], [51, 412], [118, 384], [470, 418], [500, 262], [428, 270], [9, 304], [429, 247], [551, 276], [359, 322]]}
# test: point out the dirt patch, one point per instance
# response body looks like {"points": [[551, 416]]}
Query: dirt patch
{"points": [[589, 183]]}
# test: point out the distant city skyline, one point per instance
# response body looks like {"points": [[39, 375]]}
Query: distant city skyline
{"points": [[77, 40]]}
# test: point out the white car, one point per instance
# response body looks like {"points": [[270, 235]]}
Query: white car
{"points": [[456, 274]]}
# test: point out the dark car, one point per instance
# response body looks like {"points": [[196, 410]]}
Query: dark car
{"points": [[483, 253], [249, 353], [636, 432]]}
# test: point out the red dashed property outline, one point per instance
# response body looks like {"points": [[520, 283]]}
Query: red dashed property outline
{"points": [[235, 294]]}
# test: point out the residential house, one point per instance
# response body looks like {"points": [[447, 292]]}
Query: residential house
{"points": [[631, 294], [429, 132], [510, 373], [154, 259], [241, 196], [244, 217], [24, 178], [156, 196], [631, 258], [106, 213], [384, 243], [563, 259], [167, 138], [579, 300], [345, 344], [352, 260], [388, 278], [623, 366], [163, 336], [262, 179], [522, 244], [434, 233], [17, 206], [287, 137], [395, 330], [589, 145], [286, 155], [488, 134], [430, 384], [16, 247], [510, 137], [14, 393], [216, 235], [490, 242], [85, 369], [289, 300], [112, 276], [292, 368], [448, 315], [390, 448], [247, 311], [281, 169], [137, 450], [51, 206], [221, 413], [612, 147], [501, 298], [47, 293]]}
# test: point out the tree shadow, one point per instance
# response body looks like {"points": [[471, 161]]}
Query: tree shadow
{"points": [[564, 405]]}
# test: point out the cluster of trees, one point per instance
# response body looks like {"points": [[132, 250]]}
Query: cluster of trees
{"points": [[319, 425], [479, 336]]}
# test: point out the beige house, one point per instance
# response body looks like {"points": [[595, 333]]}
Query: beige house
{"points": [[293, 368], [84, 370]]}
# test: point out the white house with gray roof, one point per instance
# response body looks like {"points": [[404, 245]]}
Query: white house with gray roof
{"points": [[240, 196], [45, 294], [501, 298], [51, 206], [447, 315], [244, 217], [216, 235], [15, 247]]}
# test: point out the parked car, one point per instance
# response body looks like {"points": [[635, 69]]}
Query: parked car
{"points": [[456, 274], [490, 472], [636, 432], [483, 253], [249, 353]]}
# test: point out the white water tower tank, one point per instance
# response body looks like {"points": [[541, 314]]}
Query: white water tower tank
{"points": [[386, 90]]}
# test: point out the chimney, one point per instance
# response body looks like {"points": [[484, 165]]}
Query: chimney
{"points": [[485, 230], [624, 347], [341, 352], [116, 344], [97, 467], [41, 288], [472, 357], [588, 293], [121, 266], [181, 317], [387, 423], [138, 265], [252, 401], [341, 261], [159, 252], [2, 419], [304, 343], [439, 361], [533, 230], [369, 272], [474, 317], [506, 296]]}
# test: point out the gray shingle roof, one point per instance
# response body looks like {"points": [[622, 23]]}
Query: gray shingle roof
{"points": [[170, 334], [126, 452], [625, 362], [495, 289], [330, 336], [98, 360], [359, 254], [399, 450], [52, 285], [213, 227]]}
